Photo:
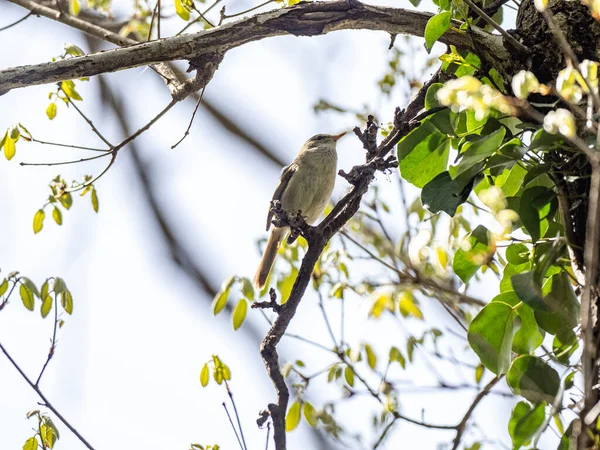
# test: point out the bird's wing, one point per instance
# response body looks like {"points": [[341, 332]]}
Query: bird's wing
{"points": [[284, 179]]}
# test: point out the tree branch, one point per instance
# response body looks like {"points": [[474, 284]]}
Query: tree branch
{"points": [[305, 19], [97, 31], [360, 178], [47, 404]]}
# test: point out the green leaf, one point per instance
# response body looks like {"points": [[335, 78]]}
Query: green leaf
{"points": [[396, 355], [48, 432], [9, 147], [431, 100], [59, 285], [491, 334], [310, 414], [517, 254], [26, 297], [181, 10], [423, 154], [239, 313], [66, 300], [444, 194], [51, 111], [479, 370], [563, 350], [31, 444], [349, 376], [73, 50], [38, 221], [204, 375], [511, 180], [532, 378], [247, 289], [220, 301], [567, 441], [57, 215], [524, 423], [68, 88], [436, 27], [31, 286], [529, 336], [95, 203], [66, 200], [528, 290], [292, 419], [476, 250], [371, 357], [3, 287], [538, 205], [474, 152], [286, 284], [561, 307], [46, 305]]}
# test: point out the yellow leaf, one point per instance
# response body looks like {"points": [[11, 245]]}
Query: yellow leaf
{"points": [[181, 10], [349, 376], [371, 358], [9, 148], [74, 7], [31, 444], [95, 204], [38, 221], [442, 256], [68, 88], [292, 418], [204, 375], [51, 111], [239, 313], [26, 297], [408, 306], [46, 305], [382, 302], [310, 414], [220, 301], [57, 216]]}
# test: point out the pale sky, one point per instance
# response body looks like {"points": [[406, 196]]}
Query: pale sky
{"points": [[126, 370]]}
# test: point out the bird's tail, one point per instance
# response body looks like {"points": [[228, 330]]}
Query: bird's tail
{"points": [[268, 257]]}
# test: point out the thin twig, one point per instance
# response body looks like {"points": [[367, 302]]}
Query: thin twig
{"points": [[53, 345], [481, 13], [78, 147], [197, 19], [187, 131], [384, 433], [225, 16], [232, 425], [237, 416], [17, 22], [460, 428], [45, 401]]}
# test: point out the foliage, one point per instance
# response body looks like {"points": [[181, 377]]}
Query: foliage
{"points": [[489, 211]]}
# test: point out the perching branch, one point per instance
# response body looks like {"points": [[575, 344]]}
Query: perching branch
{"points": [[317, 237], [305, 19]]}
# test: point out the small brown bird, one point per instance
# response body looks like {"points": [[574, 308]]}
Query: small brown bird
{"points": [[305, 185]]}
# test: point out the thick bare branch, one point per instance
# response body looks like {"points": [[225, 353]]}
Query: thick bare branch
{"points": [[306, 19], [94, 30]]}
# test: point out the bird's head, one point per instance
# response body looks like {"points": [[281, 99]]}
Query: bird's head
{"points": [[324, 141]]}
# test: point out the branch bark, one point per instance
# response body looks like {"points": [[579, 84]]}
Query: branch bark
{"points": [[305, 19], [360, 178]]}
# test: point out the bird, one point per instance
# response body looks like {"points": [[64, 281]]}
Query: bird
{"points": [[306, 186]]}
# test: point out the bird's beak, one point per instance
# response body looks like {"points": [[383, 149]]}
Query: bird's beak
{"points": [[337, 137]]}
